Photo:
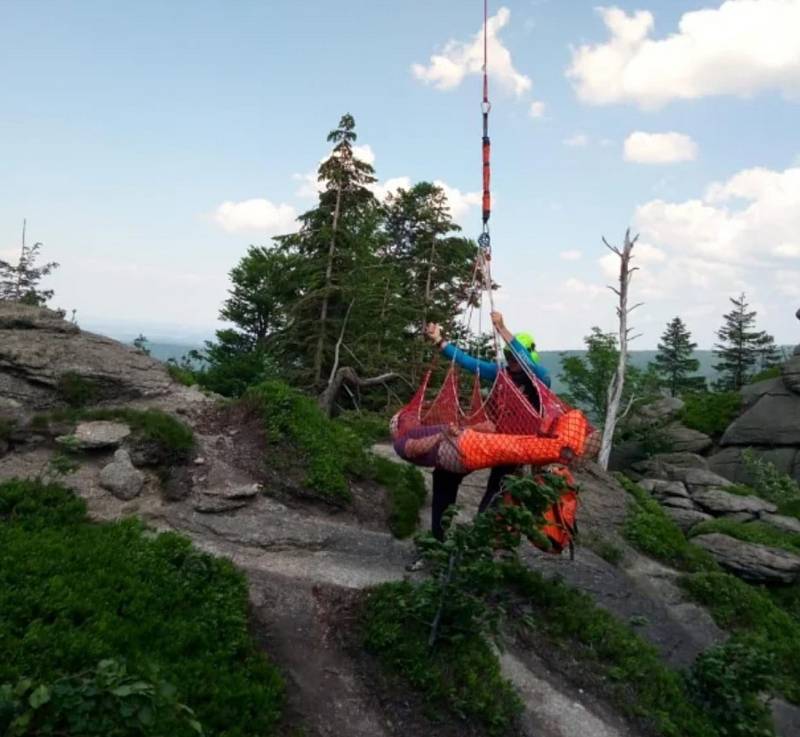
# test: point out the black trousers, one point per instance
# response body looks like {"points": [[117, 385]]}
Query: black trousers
{"points": [[445, 492]]}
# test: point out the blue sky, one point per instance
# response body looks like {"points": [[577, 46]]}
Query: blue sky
{"points": [[124, 127]]}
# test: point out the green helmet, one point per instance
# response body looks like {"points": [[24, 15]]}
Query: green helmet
{"points": [[527, 341]]}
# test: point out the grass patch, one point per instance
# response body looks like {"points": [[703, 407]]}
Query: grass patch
{"points": [[181, 374], [462, 677], [330, 452], [6, 428], [406, 486], [76, 391], [755, 619], [751, 532], [710, 412], [607, 549], [650, 530], [74, 594], [634, 677]]}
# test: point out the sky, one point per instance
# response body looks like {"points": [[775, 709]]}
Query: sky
{"points": [[148, 144]]}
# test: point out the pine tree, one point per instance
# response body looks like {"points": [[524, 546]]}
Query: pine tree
{"points": [[20, 283], [674, 361], [740, 346]]}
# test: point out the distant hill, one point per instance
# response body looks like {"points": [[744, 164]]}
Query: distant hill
{"points": [[550, 359]]}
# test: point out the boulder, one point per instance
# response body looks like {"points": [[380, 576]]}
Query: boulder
{"points": [[657, 466], [44, 358], [696, 479], [720, 502], [226, 498], [662, 488], [679, 502], [656, 413], [686, 518], [756, 563], [751, 393], [791, 372], [96, 435], [121, 478], [177, 485], [781, 522], [728, 462], [771, 421], [684, 439]]}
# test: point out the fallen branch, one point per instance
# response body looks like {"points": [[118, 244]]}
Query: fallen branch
{"points": [[347, 375]]}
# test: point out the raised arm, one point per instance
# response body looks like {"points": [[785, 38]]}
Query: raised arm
{"points": [[519, 350], [486, 369]]}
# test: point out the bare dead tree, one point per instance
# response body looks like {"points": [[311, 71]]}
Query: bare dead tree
{"points": [[617, 384]]}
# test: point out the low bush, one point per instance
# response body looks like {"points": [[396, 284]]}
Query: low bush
{"points": [[755, 619], [461, 675], [371, 427], [181, 374], [710, 412], [406, 486], [74, 594], [727, 681], [305, 436], [771, 484], [751, 532], [629, 668], [649, 529], [76, 390]]}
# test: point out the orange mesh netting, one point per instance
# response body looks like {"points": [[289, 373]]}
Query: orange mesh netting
{"points": [[505, 428]]}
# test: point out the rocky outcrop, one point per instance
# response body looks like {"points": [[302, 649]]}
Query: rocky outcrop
{"points": [[756, 563], [769, 425], [683, 439], [95, 435], [722, 504], [45, 361]]}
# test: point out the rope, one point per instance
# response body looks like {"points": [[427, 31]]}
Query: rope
{"points": [[484, 239]]}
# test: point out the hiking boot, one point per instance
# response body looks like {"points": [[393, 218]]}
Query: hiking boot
{"points": [[416, 565]]}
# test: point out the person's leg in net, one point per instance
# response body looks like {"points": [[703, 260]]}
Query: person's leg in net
{"points": [[494, 486]]}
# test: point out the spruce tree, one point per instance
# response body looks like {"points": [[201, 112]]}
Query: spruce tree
{"points": [[20, 283], [674, 362], [740, 346]]}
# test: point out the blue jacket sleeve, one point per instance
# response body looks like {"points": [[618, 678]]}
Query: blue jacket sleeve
{"points": [[486, 369], [541, 372]]}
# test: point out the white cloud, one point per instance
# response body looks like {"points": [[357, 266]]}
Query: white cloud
{"points": [[460, 202], [256, 215], [788, 283], [447, 70], [659, 148], [573, 255], [740, 48], [787, 250], [576, 141], [382, 189], [536, 109], [578, 286]]}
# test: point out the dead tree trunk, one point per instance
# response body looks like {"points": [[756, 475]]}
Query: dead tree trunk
{"points": [[323, 315], [618, 382], [348, 375]]}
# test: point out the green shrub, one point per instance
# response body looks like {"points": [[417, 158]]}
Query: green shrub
{"points": [[754, 618], [76, 391], [636, 679], [710, 412], [407, 492], [181, 374], [462, 675], [6, 428], [330, 452], [73, 594], [771, 484], [104, 701], [751, 532], [371, 427], [727, 681], [649, 529]]}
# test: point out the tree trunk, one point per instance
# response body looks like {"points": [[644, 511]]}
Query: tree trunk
{"points": [[323, 315], [618, 381]]}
